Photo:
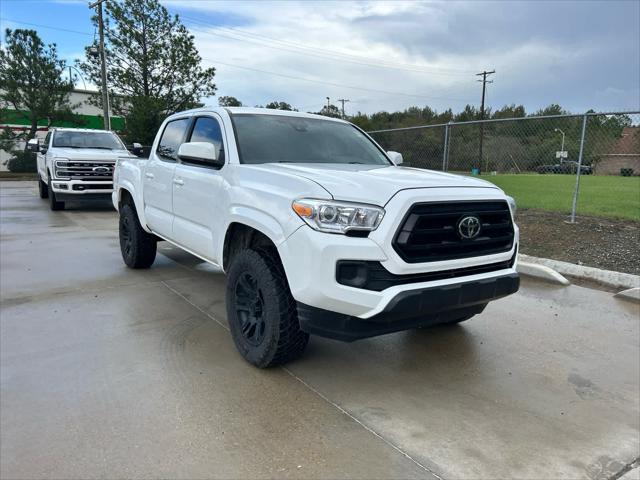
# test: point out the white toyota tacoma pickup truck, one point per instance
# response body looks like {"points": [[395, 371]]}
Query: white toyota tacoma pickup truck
{"points": [[317, 228], [76, 164]]}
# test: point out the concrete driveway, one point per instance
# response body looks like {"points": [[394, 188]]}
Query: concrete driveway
{"points": [[108, 372]]}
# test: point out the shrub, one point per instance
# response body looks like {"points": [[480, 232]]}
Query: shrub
{"points": [[22, 162]]}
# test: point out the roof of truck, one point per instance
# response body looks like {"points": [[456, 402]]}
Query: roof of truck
{"points": [[88, 130], [261, 111]]}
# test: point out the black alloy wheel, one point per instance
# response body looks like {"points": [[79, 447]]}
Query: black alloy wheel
{"points": [[250, 309]]}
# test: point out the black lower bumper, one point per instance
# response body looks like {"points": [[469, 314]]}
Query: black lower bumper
{"points": [[81, 197], [410, 309]]}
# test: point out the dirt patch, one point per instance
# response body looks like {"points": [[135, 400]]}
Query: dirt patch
{"points": [[595, 242]]}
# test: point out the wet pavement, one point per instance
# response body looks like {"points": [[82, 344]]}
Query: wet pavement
{"points": [[109, 372]]}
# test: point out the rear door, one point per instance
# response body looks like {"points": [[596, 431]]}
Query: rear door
{"points": [[198, 193], [158, 177]]}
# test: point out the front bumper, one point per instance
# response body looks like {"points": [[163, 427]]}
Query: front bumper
{"points": [[74, 188], [410, 309], [310, 258]]}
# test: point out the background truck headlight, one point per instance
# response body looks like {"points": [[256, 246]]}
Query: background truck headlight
{"points": [[338, 217]]}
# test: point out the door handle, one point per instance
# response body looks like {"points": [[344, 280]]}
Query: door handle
{"points": [[149, 175], [178, 181]]}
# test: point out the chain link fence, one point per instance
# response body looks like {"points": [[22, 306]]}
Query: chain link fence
{"points": [[587, 164]]}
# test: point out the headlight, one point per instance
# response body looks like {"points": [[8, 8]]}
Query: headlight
{"points": [[512, 205], [338, 217], [60, 163]]}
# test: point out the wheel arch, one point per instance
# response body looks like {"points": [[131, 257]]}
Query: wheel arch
{"points": [[240, 236], [125, 195]]}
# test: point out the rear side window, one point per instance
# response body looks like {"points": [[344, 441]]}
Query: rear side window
{"points": [[207, 129], [172, 138]]}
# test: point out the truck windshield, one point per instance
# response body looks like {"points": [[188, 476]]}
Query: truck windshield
{"points": [[278, 138], [107, 141]]}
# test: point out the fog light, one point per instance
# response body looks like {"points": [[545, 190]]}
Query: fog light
{"points": [[352, 273]]}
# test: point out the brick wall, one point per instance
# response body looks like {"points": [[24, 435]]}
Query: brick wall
{"points": [[611, 164]]}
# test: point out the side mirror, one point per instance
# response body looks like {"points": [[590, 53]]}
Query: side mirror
{"points": [[199, 152], [136, 149], [395, 157], [33, 145]]}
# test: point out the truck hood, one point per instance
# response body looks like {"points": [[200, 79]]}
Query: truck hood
{"points": [[89, 153], [373, 184]]}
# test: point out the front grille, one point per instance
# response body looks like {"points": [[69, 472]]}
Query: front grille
{"points": [[84, 170], [430, 231]]}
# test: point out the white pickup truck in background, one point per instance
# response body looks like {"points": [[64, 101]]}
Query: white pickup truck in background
{"points": [[318, 229], [76, 164]]}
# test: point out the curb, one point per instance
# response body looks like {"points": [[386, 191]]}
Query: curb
{"points": [[632, 294], [617, 280], [542, 272]]}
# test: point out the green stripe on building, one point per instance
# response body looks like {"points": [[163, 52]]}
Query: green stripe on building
{"points": [[19, 118]]}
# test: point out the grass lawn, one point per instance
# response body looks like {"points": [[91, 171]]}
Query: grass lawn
{"points": [[600, 196]]}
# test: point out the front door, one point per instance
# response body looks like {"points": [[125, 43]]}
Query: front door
{"points": [[158, 178]]}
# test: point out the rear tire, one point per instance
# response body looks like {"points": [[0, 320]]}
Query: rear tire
{"points": [[138, 247], [53, 203], [262, 314], [43, 188]]}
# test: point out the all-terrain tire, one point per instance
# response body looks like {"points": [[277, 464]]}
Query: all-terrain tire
{"points": [[43, 188], [262, 314], [54, 204], [138, 247]]}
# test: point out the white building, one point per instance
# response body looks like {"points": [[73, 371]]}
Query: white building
{"points": [[89, 116]]}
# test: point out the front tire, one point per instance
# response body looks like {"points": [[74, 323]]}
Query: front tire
{"points": [[262, 314], [43, 188], [138, 247], [54, 204]]}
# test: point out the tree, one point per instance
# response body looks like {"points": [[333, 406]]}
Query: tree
{"points": [[229, 102], [32, 83], [152, 62], [330, 111], [280, 106]]}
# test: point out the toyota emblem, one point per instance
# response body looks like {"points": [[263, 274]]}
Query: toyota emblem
{"points": [[469, 227]]}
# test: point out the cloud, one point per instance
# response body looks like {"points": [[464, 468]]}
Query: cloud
{"points": [[573, 53]]}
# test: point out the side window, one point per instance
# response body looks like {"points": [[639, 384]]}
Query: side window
{"points": [[172, 138], [207, 129], [46, 141]]}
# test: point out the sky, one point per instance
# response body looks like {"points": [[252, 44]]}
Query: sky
{"points": [[390, 55]]}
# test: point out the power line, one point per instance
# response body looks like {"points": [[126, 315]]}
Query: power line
{"points": [[331, 52], [291, 77], [322, 53], [334, 84], [45, 26]]}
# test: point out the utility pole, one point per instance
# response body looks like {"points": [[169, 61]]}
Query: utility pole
{"points": [[484, 90], [103, 66], [343, 101]]}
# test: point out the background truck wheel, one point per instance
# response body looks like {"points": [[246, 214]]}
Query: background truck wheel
{"points": [[262, 314], [53, 203], [43, 189], [137, 246]]}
